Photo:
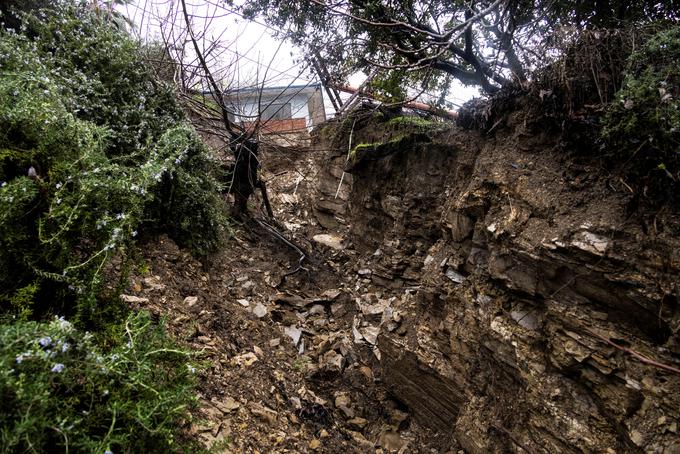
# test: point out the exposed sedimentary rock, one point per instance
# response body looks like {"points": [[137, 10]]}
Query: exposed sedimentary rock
{"points": [[528, 294]]}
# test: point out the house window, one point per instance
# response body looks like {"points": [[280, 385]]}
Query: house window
{"points": [[276, 111]]}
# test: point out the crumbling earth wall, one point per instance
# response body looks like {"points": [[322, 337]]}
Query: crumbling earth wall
{"points": [[534, 313]]}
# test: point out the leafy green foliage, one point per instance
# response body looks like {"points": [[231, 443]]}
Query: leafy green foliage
{"points": [[643, 124], [426, 43], [187, 201], [99, 72], [62, 392], [10, 10], [600, 14], [93, 150]]}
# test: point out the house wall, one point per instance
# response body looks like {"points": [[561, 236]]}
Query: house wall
{"points": [[317, 112], [306, 110], [298, 108]]}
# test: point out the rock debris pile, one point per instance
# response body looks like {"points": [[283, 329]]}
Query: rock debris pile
{"points": [[461, 295]]}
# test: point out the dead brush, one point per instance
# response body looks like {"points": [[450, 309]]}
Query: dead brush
{"points": [[578, 73], [588, 72], [584, 69]]}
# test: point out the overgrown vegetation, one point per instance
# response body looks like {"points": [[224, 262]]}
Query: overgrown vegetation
{"points": [[94, 154], [643, 122], [613, 95], [588, 72], [428, 43], [62, 392], [93, 151]]}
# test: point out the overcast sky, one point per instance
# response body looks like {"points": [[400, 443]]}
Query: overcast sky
{"points": [[247, 45]]}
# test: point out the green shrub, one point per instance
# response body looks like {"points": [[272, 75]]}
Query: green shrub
{"points": [[642, 125], [187, 202], [61, 392], [93, 150]]}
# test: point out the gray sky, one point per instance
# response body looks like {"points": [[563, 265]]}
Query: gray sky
{"points": [[248, 51]]}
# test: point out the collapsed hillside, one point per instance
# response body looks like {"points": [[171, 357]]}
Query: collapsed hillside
{"points": [[462, 291], [433, 290], [530, 310]]}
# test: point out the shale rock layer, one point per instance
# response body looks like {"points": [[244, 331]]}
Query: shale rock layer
{"points": [[537, 313]]}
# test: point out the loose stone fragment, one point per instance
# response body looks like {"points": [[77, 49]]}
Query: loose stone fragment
{"points": [[259, 310]]}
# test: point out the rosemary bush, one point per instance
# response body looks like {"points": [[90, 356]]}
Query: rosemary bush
{"points": [[62, 392], [93, 151]]}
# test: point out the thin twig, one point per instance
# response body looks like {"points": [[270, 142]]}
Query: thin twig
{"points": [[639, 356]]}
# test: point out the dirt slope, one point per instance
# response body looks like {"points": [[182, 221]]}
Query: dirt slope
{"points": [[460, 293], [284, 372]]}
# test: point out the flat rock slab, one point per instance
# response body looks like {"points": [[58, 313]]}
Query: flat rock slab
{"points": [[332, 241]]}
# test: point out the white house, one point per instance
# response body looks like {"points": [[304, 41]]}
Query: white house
{"points": [[285, 113]]}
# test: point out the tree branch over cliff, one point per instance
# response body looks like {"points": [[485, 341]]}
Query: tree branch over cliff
{"points": [[487, 43]]}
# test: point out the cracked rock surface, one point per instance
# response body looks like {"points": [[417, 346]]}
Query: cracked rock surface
{"points": [[462, 294]]}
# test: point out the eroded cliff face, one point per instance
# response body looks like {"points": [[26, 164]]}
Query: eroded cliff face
{"points": [[528, 310]]}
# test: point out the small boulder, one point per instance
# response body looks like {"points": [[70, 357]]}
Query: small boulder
{"points": [[294, 333], [133, 299], [245, 360], [191, 300], [357, 422]]}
